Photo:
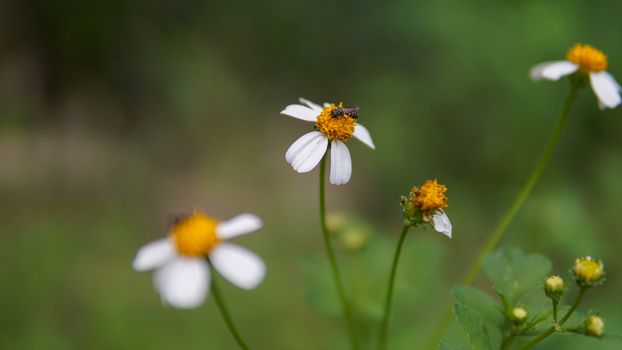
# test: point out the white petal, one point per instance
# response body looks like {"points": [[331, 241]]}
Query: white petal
{"points": [[183, 282], [340, 163], [154, 254], [613, 80], [552, 70], [301, 112], [312, 105], [299, 144], [238, 265], [239, 225], [606, 89], [310, 155], [361, 133], [442, 223]]}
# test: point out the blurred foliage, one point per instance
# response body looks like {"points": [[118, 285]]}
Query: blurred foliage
{"points": [[115, 114], [513, 275]]}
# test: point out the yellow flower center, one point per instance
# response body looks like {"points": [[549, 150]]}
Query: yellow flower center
{"points": [[589, 58], [588, 270], [431, 196], [195, 235], [335, 127]]}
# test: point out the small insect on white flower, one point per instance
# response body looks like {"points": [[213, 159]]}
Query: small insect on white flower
{"points": [[181, 260], [587, 60], [334, 124]]}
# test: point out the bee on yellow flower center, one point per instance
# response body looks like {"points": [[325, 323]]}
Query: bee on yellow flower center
{"points": [[429, 197], [589, 58], [195, 235], [337, 122]]}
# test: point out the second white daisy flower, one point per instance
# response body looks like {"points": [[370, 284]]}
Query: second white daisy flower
{"points": [[589, 60], [333, 124], [182, 274]]}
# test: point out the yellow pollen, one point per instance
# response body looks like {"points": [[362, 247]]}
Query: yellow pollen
{"points": [[588, 269], [431, 196], [335, 128], [195, 235], [589, 58]]}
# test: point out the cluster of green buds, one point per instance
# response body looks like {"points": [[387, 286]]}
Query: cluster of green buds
{"points": [[351, 235], [587, 273]]}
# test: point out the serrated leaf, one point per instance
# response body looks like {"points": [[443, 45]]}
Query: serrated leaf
{"points": [[471, 323], [513, 273], [479, 302]]}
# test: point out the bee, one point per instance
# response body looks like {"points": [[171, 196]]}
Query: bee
{"points": [[175, 219], [352, 112]]}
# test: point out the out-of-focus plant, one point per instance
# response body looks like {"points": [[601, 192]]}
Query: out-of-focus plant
{"points": [[518, 316]]}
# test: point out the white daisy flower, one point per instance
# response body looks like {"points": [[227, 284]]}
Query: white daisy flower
{"points": [[590, 61], [182, 272], [334, 124]]}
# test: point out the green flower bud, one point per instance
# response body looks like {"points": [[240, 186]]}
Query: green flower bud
{"points": [[519, 315], [554, 287], [354, 239], [594, 326]]}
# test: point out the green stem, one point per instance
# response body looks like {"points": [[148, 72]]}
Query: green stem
{"points": [[507, 342], [556, 326], [574, 306], [555, 304], [497, 233], [382, 335], [333, 261], [225, 315]]}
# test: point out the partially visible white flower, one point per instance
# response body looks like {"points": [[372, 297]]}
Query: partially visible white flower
{"points": [[334, 124], [426, 204], [182, 273], [590, 61]]}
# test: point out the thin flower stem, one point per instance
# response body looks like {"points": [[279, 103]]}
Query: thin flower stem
{"points": [[507, 342], [555, 304], [382, 335], [347, 313], [574, 306], [556, 326], [225, 315], [497, 233]]}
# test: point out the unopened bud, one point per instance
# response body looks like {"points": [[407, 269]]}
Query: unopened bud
{"points": [[519, 315], [554, 287], [354, 239], [594, 326]]}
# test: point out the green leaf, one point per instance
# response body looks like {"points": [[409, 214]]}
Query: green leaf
{"points": [[446, 346], [615, 337], [513, 273], [471, 323], [480, 303]]}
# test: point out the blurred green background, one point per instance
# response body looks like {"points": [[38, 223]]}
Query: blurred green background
{"points": [[115, 114]]}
